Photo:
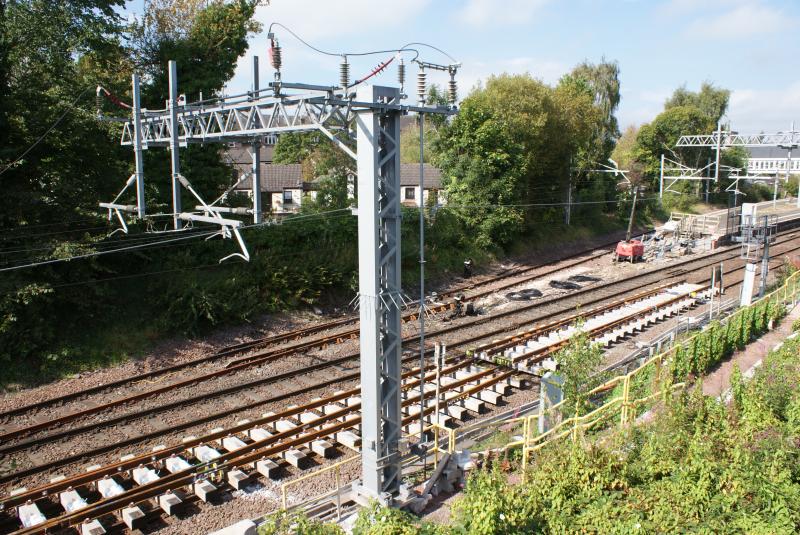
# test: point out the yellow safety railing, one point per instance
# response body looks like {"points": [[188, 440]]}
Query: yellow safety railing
{"points": [[623, 405], [439, 430], [336, 468]]}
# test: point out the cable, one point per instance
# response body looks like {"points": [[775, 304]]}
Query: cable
{"points": [[340, 54], [451, 58], [98, 253], [35, 143], [158, 244]]}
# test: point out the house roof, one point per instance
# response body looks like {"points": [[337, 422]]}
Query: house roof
{"points": [[278, 177], [409, 175], [772, 152]]}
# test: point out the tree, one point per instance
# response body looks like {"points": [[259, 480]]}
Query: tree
{"points": [[319, 155], [711, 100], [603, 81], [624, 150], [205, 39], [52, 55], [511, 147], [42, 81], [660, 136]]}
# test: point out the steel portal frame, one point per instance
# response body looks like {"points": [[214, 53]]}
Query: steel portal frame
{"points": [[374, 112], [723, 139]]}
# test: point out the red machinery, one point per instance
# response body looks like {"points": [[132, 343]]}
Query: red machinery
{"points": [[632, 250]]}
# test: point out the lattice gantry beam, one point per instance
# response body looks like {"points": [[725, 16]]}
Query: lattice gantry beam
{"points": [[240, 119], [729, 139], [244, 120]]}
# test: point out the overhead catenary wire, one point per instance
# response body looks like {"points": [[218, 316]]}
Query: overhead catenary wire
{"points": [[46, 133], [159, 243]]}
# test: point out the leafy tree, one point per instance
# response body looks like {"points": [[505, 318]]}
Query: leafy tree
{"points": [[624, 149], [603, 81], [55, 180], [511, 146], [661, 135], [319, 155], [711, 100], [409, 143], [206, 39]]}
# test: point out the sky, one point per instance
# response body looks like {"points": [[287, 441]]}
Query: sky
{"points": [[747, 46]]}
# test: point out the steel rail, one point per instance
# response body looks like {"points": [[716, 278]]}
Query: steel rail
{"points": [[472, 378], [8, 448], [246, 362], [253, 448], [38, 468], [495, 346], [305, 331]]}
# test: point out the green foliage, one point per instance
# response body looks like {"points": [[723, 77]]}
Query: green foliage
{"points": [[717, 341], [490, 505], [378, 520], [700, 466], [409, 142], [659, 137], [510, 147], [296, 524], [604, 84], [712, 101], [318, 154], [577, 362]]}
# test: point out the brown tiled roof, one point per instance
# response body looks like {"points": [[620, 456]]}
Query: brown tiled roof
{"points": [[409, 175], [277, 177], [239, 155]]}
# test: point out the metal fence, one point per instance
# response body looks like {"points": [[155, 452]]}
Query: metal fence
{"points": [[623, 397]]}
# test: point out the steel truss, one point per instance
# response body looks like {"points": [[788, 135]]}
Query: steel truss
{"points": [[722, 139], [733, 139], [371, 116]]}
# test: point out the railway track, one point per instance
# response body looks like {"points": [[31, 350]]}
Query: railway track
{"points": [[139, 414], [319, 343], [310, 429], [464, 382]]}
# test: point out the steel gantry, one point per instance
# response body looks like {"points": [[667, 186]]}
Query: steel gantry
{"points": [[371, 117], [722, 139]]}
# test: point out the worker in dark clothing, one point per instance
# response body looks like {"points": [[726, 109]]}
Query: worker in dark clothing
{"points": [[459, 302], [467, 268]]}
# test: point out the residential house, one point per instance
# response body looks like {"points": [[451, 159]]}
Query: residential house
{"points": [[409, 185], [283, 189]]}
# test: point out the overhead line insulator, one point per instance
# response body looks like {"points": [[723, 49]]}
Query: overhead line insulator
{"points": [[401, 74], [422, 86], [452, 89], [344, 74]]}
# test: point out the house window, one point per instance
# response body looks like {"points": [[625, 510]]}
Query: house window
{"points": [[410, 194], [287, 197]]}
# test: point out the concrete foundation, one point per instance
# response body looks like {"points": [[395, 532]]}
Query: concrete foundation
{"points": [[92, 527], [133, 517], [169, 502]]}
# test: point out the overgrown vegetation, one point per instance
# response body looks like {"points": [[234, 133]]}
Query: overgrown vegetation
{"points": [[518, 150], [700, 465]]}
